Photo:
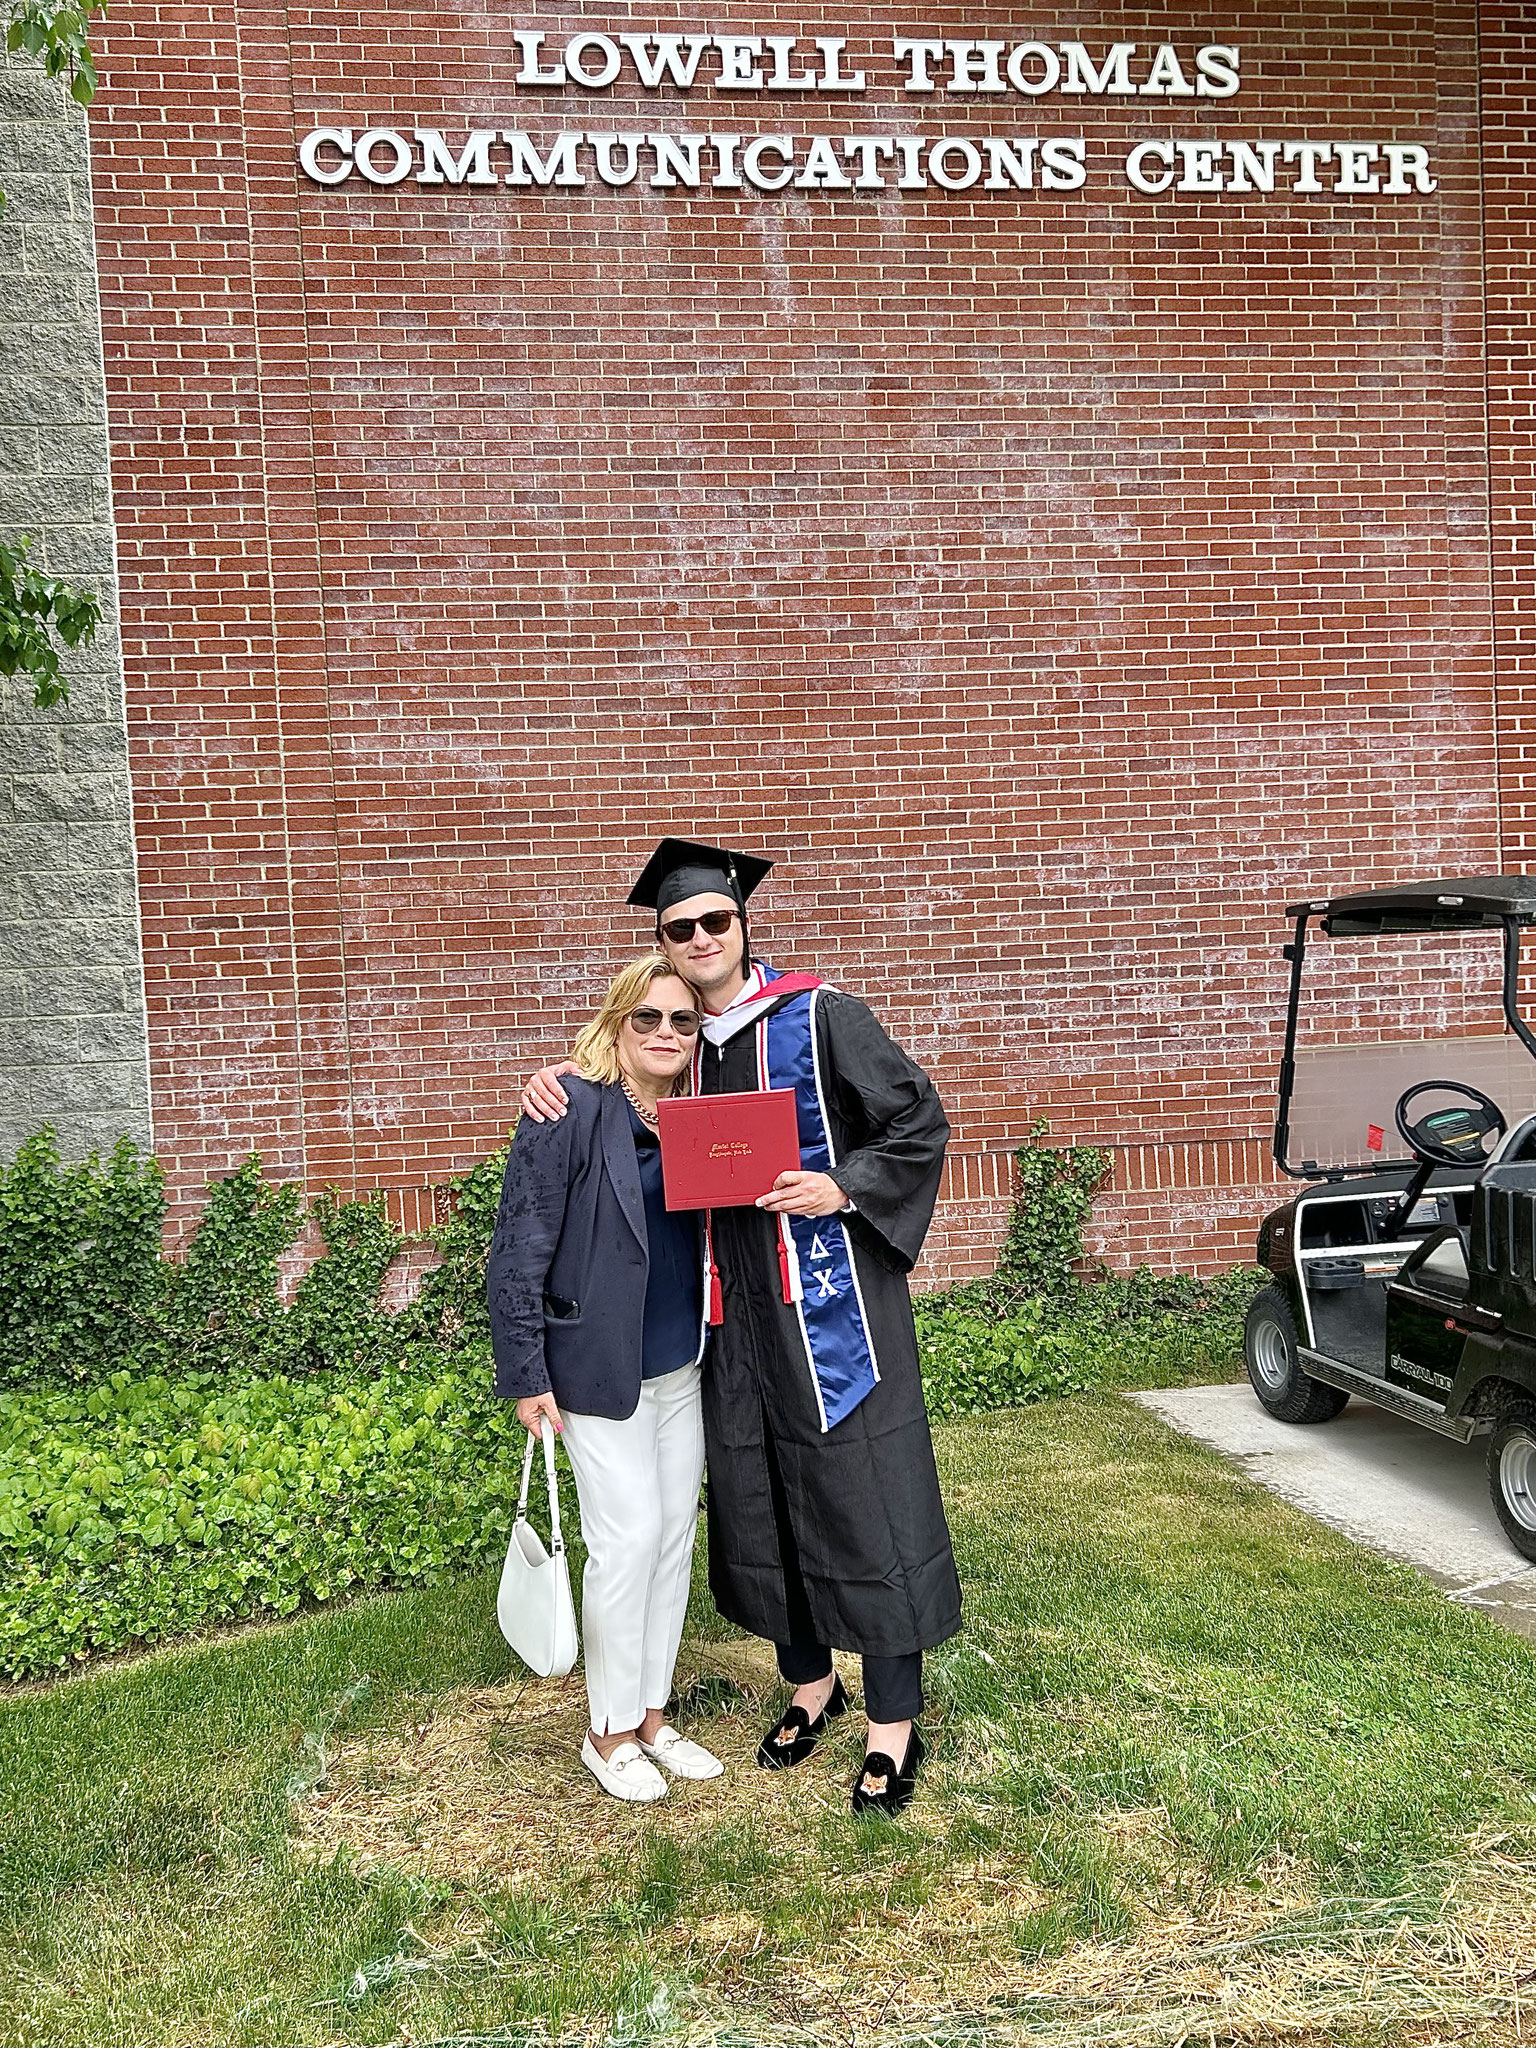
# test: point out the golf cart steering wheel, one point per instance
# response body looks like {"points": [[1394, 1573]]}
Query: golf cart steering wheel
{"points": [[1453, 1134]]}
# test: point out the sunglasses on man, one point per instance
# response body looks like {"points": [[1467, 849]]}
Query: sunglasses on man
{"points": [[716, 922], [685, 1023]]}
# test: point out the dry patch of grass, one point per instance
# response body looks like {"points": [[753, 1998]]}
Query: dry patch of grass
{"points": [[1245, 1968], [1280, 1965], [487, 1794], [488, 1788]]}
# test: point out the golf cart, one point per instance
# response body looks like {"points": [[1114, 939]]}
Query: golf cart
{"points": [[1405, 1269]]}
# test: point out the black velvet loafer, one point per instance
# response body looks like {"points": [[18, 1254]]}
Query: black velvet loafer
{"points": [[880, 1787], [794, 1735]]}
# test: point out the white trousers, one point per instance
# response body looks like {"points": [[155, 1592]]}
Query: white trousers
{"points": [[638, 1485]]}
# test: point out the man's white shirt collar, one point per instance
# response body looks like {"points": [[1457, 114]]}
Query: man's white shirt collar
{"points": [[756, 996]]}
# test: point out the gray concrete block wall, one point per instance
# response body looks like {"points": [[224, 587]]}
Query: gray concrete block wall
{"points": [[73, 1050]]}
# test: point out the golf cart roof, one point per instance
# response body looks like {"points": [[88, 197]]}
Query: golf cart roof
{"points": [[1478, 902]]}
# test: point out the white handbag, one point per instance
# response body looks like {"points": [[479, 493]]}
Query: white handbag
{"points": [[533, 1602]]}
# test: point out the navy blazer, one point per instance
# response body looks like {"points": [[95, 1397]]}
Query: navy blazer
{"points": [[569, 1262]]}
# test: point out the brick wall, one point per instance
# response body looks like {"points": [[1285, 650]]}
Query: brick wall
{"points": [[1508, 129], [1056, 582], [72, 1044]]}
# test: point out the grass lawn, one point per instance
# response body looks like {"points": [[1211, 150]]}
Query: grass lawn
{"points": [[1201, 1771]]}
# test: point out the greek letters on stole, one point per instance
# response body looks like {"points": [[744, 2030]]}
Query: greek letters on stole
{"points": [[816, 1255]]}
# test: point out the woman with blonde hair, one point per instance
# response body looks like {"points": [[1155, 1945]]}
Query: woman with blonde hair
{"points": [[598, 1322]]}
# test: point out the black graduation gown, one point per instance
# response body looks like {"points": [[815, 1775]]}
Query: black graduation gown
{"points": [[861, 1499]]}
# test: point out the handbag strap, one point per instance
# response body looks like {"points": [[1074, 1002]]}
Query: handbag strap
{"points": [[556, 1539]]}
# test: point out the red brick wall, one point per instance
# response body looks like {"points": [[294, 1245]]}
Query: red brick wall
{"points": [[1509, 244], [1056, 582]]}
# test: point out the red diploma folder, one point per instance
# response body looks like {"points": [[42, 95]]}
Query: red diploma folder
{"points": [[723, 1151]]}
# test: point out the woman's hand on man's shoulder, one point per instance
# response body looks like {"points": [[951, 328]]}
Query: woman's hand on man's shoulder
{"points": [[544, 1100]]}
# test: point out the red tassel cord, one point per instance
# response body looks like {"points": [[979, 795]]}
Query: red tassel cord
{"points": [[716, 1298]]}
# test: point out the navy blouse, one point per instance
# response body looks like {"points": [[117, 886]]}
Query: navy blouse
{"points": [[674, 1291]]}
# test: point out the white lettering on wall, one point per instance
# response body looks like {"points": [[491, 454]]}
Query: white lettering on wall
{"points": [[1064, 164], [440, 166], [333, 170], [398, 150], [823, 172], [1309, 155], [531, 42], [606, 69], [1114, 75], [833, 78], [1253, 166], [782, 78], [529, 168], [919, 52], [752, 162], [678, 160], [1020, 76], [1196, 165], [1149, 167], [954, 163], [1167, 75], [975, 67], [594, 61], [1409, 165], [1217, 65], [738, 70], [658, 58], [1009, 164], [966, 67], [623, 171]]}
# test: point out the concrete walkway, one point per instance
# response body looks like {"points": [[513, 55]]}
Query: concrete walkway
{"points": [[1395, 1488]]}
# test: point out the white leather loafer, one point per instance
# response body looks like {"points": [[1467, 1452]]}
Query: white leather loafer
{"points": [[626, 1774], [684, 1759]]}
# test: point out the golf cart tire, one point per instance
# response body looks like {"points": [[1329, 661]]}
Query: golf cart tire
{"points": [[1512, 1476], [1271, 1352]]}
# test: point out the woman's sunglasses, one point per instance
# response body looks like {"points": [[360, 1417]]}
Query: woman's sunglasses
{"points": [[684, 1022], [716, 922]]}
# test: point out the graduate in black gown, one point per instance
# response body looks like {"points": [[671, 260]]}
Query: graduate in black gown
{"points": [[826, 1527]]}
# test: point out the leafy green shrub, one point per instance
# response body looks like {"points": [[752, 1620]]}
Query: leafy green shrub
{"points": [[85, 1290], [223, 1300], [147, 1506], [336, 1318], [1109, 1333], [81, 1277], [971, 1363], [1038, 1327], [237, 1458], [451, 1307], [1044, 1245]]}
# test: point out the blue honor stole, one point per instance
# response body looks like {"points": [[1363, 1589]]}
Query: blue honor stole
{"points": [[821, 1282]]}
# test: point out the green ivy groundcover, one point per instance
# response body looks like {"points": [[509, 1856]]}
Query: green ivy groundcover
{"points": [[180, 1447]]}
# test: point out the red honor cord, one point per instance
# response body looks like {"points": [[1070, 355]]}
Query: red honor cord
{"points": [[716, 1299]]}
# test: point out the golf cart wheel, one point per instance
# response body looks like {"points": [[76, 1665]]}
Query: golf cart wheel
{"points": [[1271, 1353], [1512, 1477]]}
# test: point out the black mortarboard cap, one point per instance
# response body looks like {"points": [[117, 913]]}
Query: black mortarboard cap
{"points": [[680, 868]]}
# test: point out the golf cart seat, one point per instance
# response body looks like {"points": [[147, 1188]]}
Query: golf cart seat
{"points": [[1439, 1266], [1504, 1224]]}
